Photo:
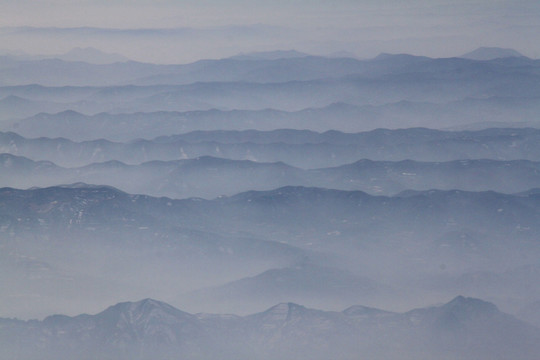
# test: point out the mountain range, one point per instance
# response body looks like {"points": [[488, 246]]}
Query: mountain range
{"points": [[210, 177], [87, 55], [148, 329], [466, 113], [265, 67], [227, 186], [387, 91], [87, 232], [302, 149]]}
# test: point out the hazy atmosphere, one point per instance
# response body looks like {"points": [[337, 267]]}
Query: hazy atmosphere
{"points": [[269, 180], [181, 31]]}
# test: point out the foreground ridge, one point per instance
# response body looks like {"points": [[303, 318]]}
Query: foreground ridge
{"points": [[149, 328]]}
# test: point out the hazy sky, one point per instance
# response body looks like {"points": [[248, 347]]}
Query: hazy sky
{"points": [[170, 13], [364, 27]]}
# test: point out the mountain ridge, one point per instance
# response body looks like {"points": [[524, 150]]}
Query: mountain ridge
{"points": [[146, 328], [491, 53]]}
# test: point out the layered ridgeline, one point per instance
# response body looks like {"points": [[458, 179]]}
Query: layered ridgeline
{"points": [[76, 241], [304, 149], [210, 177], [309, 92], [464, 113], [229, 186], [388, 67], [464, 328]]}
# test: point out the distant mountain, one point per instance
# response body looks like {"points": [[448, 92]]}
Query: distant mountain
{"points": [[73, 71], [490, 53], [92, 56], [263, 68], [468, 114], [88, 55], [306, 283], [16, 107], [272, 67], [303, 149], [66, 229], [466, 328], [86, 233], [430, 222], [16, 168], [199, 177], [270, 55], [472, 175], [210, 177], [464, 319], [235, 184], [499, 285], [394, 77]]}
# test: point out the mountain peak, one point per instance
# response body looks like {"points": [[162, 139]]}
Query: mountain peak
{"points": [[469, 304], [281, 312], [14, 100], [462, 310], [142, 311], [490, 53], [285, 308]]}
